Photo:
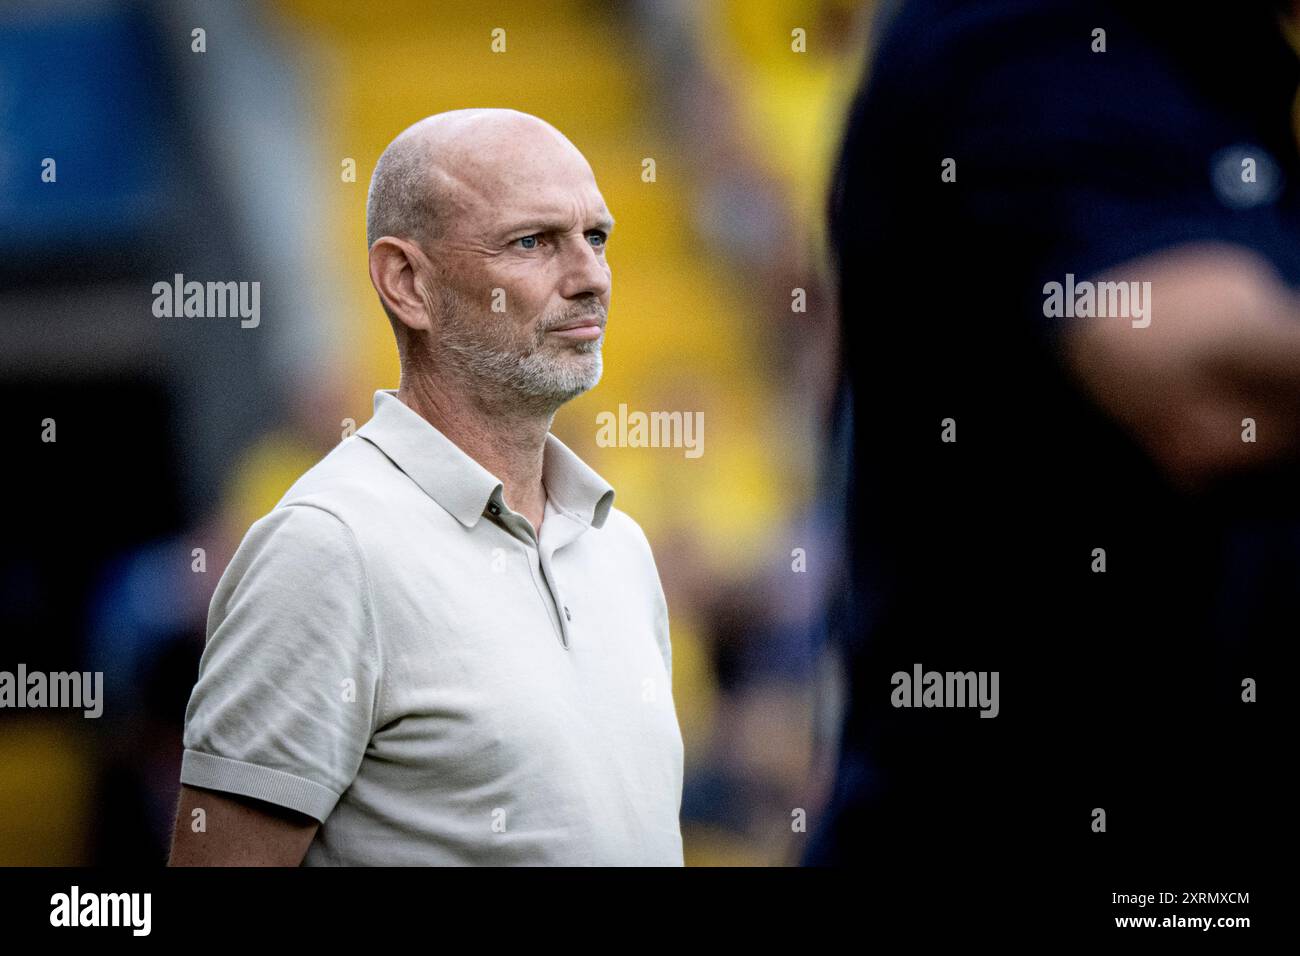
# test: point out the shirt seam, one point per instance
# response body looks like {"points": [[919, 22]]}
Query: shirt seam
{"points": [[660, 601]]}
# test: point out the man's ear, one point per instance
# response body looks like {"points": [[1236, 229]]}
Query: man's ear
{"points": [[394, 267]]}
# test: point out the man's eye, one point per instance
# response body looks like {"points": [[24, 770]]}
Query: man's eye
{"points": [[597, 238], [527, 242]]}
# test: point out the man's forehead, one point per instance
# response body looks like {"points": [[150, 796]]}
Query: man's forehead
{"points": [[498, 197], [489, 170], [552, 205]]}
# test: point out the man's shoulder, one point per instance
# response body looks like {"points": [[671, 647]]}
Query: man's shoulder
{"points": [[321, 521], [620, 524], [354, 478], [622, 531], [335, 506]]}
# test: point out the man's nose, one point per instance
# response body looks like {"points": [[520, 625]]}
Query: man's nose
{"points": [[585, 271]]}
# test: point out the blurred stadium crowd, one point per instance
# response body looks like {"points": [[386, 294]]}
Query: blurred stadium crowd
{"points": [[176, 434]]}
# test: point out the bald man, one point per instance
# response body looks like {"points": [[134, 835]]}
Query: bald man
{"points": [[444, 645]]}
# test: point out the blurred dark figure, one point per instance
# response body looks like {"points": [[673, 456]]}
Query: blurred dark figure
{"points": [[1120, 689]]}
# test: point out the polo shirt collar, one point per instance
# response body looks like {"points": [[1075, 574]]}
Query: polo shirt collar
{"points": [[464, 487]]}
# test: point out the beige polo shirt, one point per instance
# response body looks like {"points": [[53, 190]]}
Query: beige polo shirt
{"points": [[394, 652]]}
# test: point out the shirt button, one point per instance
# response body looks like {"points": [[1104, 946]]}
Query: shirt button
{"points": [[493, 510]]}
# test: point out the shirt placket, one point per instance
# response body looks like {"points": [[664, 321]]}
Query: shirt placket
{"points": [[541, 567], [564, 616], [557, 531]]}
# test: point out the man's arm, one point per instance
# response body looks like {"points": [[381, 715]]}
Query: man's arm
{"points": [[285, 699], [238, 831], [1223, 345]]}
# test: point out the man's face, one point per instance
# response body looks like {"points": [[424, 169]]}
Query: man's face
{"points": [[520, 300]]}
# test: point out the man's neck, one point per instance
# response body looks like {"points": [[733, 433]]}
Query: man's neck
{"points": [[508, 441]]}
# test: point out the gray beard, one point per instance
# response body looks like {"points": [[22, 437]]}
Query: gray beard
{"points": [[539, 377]]}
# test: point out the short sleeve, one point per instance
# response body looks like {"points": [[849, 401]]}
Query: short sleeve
{"points": [[1081, 162], [288, 683], [1002, 146]]}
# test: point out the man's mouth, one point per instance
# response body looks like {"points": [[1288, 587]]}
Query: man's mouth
{"points": [[580, 329]]}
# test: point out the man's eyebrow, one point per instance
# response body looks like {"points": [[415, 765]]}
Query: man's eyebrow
{"points": [[604, 221]]}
